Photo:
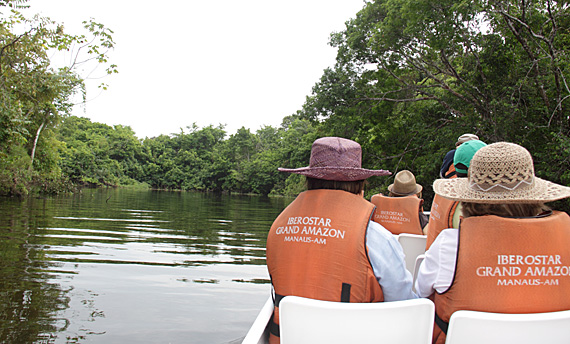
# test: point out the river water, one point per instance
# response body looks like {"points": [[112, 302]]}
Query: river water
{"points": [[127, 266]]}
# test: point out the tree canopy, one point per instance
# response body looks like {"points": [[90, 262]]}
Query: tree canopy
{"points": [[410, 77], [34, 94]]}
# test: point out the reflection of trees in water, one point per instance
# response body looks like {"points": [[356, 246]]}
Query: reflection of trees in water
{"points": [[29, 303], [44, 243], [29, 310]]}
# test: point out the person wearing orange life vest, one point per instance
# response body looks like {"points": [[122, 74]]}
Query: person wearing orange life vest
{"points": [[447, 169], [445, 213], [402, 210], [511, 254], [325, 246]]}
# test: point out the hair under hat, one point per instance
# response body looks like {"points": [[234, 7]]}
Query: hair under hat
{"points": [[501, 172]]}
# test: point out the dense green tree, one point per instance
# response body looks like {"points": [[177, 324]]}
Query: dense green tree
{"points": [[242, 151], [98, 154], [34, 95], [186, 160], [411, 76]]}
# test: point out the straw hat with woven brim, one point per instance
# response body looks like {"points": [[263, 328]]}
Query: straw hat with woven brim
{"points": [[501, 172], [335, 158]]}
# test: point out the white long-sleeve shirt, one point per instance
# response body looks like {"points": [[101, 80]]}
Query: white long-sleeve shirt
{"points": [[437, 270]]}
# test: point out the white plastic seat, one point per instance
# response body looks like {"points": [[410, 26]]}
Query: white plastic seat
{"points": [[305, 320], [471, 327], [413, 245], [419, 260]]}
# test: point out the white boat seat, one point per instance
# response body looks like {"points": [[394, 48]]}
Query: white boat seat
{"points": [[413, 245], [471, 327], [304, 320], [419, 260]]}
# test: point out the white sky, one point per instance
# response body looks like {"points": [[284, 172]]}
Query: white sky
{"points": [[235, 62]]}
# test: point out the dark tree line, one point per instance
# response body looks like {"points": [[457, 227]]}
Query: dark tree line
{"points": [[202, 159]]}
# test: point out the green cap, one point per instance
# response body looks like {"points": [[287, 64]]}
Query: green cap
{"points": [[464, 154]]}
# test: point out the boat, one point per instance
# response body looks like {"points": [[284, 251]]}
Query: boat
{"points": [[259, 331]]}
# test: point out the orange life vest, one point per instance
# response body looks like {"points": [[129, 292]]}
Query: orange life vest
{"points": [[507, 265], [316, 248], [398, 214], [451, 173], [440, 217]]}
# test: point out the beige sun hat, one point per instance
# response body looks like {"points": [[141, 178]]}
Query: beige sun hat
{"points": [[466, 137], [501, 172], [405, 184]]}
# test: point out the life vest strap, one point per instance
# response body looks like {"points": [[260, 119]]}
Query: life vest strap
{"points": [[277, 300], [274, 328], [345, 293], [441, 324]]}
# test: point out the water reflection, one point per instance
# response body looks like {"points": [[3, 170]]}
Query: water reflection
{"points": [[28, 306], [133, 266]]}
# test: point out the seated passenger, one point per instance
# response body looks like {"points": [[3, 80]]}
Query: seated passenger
{"points": [[324, 246], [402, 211], [510, 254], [445, 213], [447, 169]]}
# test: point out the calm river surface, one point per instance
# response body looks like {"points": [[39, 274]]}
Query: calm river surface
{"points": [[126, 266]]}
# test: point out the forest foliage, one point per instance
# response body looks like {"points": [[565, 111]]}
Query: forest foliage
{"points": [[410, 77]]}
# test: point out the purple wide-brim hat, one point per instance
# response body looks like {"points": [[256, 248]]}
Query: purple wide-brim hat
{"points": [[335, 158]]}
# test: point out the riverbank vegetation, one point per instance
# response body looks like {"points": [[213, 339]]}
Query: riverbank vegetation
{"points": [[410, 77]]}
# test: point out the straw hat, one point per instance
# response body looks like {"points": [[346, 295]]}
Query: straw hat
{"points": [[405, 184], [501, 172], [335, 158]]}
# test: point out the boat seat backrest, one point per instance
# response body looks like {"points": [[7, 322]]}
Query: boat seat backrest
{"points": [[471, 327], [305, 320], [413, 246], [419, 261]]}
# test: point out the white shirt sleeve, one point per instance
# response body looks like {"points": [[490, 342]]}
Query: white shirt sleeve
{"points": [[438, 268], [387, 260]]}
